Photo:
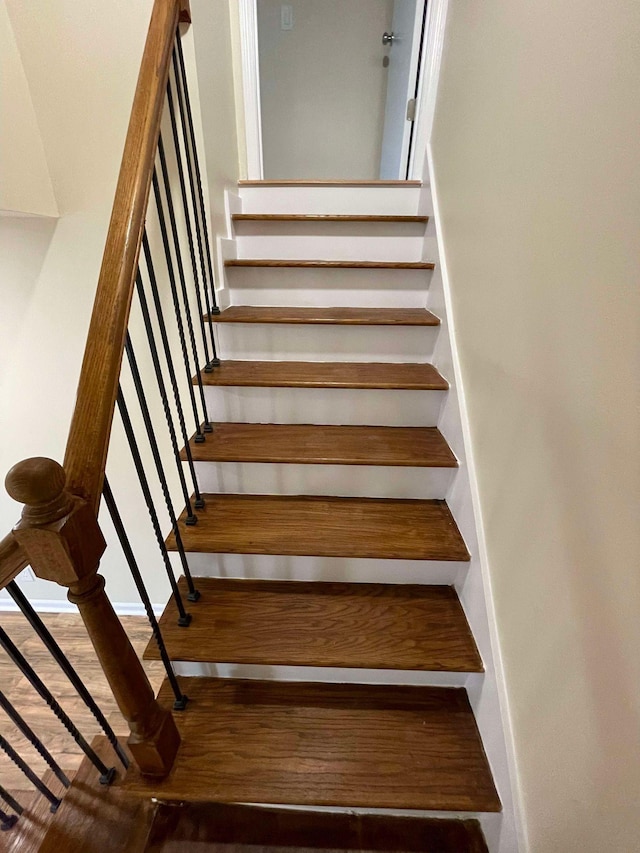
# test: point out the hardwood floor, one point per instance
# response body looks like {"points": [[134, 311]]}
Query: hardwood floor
{"points": [[243, 829], [70, 632]]}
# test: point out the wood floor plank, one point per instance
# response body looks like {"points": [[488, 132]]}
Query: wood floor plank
{"points": [[324, 526], [324, 264], [323, 217], [254, 829], [326, 374], [71, 633], [291, 623], [318, 444], [326, 316], [368, 746]]}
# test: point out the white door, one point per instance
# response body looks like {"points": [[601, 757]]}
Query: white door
{"points": [[403, 54]]}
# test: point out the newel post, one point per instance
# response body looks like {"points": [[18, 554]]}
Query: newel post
{"points": [[59, 534]]}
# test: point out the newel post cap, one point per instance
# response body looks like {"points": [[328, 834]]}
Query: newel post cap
{"points": [[39, 484]]}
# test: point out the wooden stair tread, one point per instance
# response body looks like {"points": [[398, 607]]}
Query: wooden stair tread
{"points": [[326, 374], [327, 316], [31, 828], [324, 526], [312, 182], [93, 817], [324, 264], [256, 829], [323, 217], [295, 623], [319, 444], [369, 746]]}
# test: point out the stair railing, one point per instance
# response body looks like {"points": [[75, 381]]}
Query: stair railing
{"points": [[58, 533]]}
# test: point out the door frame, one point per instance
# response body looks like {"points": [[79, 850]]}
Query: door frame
{"points": [[248, 19], [432, 47], [415, 68]]}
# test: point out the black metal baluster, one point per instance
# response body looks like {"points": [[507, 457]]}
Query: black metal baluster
{"points": [[10, 801], [7, 820], [183, 75], [33, 739], [210, 363], [199, 503], [191, 518], [193, 595], [180, 700], [184, 618], [6, 747], [106, 774], [192, 186], [63, 662], [185, 299]]}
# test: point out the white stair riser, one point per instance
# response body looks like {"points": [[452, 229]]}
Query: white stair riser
{"points": [[314, 674], [346, 569], [344, 247], [325, 406], [256, 342], [367, 201], [341, 480], [328, 288]]}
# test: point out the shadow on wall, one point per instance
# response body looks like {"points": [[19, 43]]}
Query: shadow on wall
{"points": [[24, 243]]}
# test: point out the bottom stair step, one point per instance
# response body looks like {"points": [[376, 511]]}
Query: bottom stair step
{"points": [[249, 829], [293, 743]]}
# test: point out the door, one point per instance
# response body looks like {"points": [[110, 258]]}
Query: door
{"points": [[403, 52], [322, 87]]}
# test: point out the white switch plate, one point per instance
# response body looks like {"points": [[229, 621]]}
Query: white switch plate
{"points": [[286, 17]]}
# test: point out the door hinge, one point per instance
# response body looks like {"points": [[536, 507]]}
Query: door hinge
{"points": [[411, 109]]}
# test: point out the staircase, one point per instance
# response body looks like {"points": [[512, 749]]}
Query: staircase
{"points": [[326, 660]]}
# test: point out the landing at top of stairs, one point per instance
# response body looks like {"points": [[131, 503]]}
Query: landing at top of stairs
{"points": [[325, 217], [324, 264], [328, 183]]}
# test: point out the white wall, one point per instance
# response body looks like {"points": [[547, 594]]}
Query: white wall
{"points": [[536, 166], [24, 242], [211, 32], [323, 88], [25, 185]]}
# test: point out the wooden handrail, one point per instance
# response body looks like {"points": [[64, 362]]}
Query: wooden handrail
{"points": [[58, 533], [12, 560], [90, 430]]}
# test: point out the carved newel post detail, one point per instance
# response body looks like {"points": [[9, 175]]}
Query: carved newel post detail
{"points": [[60, 536]]}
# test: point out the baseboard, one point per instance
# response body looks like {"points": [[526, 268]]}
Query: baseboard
{"points": [[52, 605], [512, 834]]}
